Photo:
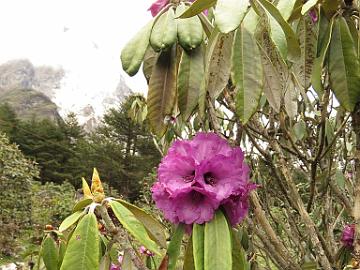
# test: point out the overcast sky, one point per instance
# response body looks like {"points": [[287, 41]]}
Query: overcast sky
{"points": [[85, 37]]}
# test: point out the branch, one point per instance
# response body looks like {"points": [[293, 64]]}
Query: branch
{"points": [[120, 236], [275, 241]]}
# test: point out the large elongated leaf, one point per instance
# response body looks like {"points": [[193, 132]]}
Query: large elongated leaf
{"points": [[162, 91], [133, 225], [150, 59], [155, 230], [319, 61], [344, 68], [275, 73], [218, 65], [191, 73], [238, 253], [198, 246], [217, 244], [49, 253], [230, 13], [133, 53], [189, 263], [82, 252], [308, 42], [82, 204], [197, 7], [278, 37], [246, 73], [174, 246], [293, 47], [286, 7], [70, 220]]}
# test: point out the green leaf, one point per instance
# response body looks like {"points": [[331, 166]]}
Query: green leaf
{"points": [[62, 250], [316, 77], [189, 263], [286, 7], [293, 47], [344, 68], [191, 73], [174, 246], [308, 5], [340, 179], [49, 253], [150, 59], [217, 244], [162, 91], [164, 32], [154, 228], [218, 63], [238, 253], [134, 226], [246, 73], [278, 37], [299, 130], [82, 252], [308, 43], [198, 246], [82, 204], [70, 220], [230, 13], [251, 21], [197, 7], [133, 53]]}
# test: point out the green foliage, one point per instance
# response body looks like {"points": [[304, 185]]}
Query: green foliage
{"points": [[51, 203], [16, 176], [82, 252]]}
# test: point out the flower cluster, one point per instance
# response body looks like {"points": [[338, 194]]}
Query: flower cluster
{"points": [[198, 176], [348, 235]]}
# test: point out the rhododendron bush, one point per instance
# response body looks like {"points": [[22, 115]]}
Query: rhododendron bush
{"points": [[255, 108]]}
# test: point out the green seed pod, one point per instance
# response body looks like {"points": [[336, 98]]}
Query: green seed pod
{"points": [[190, 32], [164, 33]]}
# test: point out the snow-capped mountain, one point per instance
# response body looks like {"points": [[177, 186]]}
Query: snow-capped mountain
{"points": [[63, 88]]}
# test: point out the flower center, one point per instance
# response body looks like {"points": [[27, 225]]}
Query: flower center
{"points": [[189, 178], [209, 178]]}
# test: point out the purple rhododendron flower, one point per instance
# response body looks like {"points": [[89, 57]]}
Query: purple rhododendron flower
{"points": [[114, 267], [348, 235], [158, 5], [145, 251], [198, 176], [313, 15]]}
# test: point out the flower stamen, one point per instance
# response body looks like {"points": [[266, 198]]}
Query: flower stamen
{"points": [[209, 178], [189, 178]]}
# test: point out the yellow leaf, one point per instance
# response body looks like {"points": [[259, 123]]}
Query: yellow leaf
{"points": [[96, 186], [86, 189]]}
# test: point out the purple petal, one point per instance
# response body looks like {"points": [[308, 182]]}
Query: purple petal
{"points": [[223, 175], [207, 145], [237, 206], [162, 200], [176, 172], [348, 235], [157, 6], [194, 207]]}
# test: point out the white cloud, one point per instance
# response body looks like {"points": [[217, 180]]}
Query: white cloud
{"points": [[85, 37]]}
